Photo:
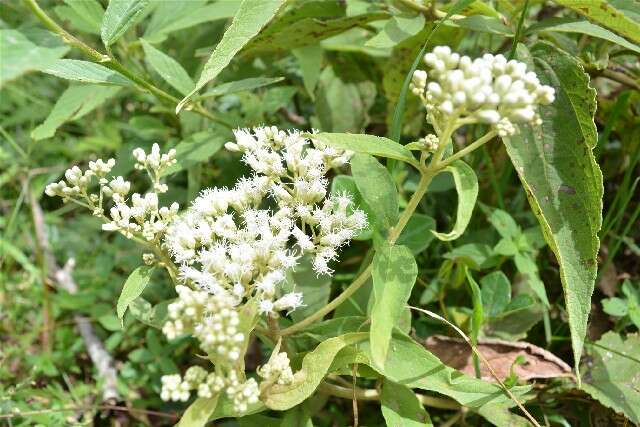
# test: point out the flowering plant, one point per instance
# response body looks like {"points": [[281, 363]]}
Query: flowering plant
{"points": [[272, 258]]}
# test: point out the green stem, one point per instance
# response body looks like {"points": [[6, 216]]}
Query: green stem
{"points": [[469, 148], [427, 175], [113, 64]]}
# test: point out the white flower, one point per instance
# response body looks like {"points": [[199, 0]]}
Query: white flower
{"points": [[488, 89]]}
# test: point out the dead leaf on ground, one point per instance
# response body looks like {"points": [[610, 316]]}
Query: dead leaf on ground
{"points": [[501, 354]]}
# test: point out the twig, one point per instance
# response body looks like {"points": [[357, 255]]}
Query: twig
{"points": [[84, 408], [63, 277], [616, 76]]}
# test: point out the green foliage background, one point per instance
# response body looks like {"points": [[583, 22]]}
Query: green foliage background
{"points": [[86, 79]]}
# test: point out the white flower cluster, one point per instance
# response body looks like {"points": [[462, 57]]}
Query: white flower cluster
{"points": [[241, 393], [142, 217], [212, 319], [231, 242], [277, 370], [489, 89], [430, 142]]}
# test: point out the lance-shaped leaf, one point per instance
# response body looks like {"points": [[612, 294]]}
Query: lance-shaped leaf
{"points": [[199, 412], [563, 182], [466, 183], [251, 17], [74, 103], [119, 16], [605, 13], [377, 189], [133, 288], [168, 68], [86, 72], [401, 407], [314, 367], [369, 144], [394, 274]]}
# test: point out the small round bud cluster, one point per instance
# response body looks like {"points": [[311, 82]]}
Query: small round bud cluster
{"points": [[489, 90], [429, 142], [149, 258], [242, 394], [277, 370], [143, 218], [236, 241], [212, 319], [77, 182], [173, 388], [213, 384], [505, 128], [155, 164]]}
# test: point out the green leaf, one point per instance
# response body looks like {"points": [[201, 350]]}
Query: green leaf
{"points": [[485, 24], [501, 416], [410, 364], [132, 289], [612, 374], [74, 103], [154, 316], [346, 184], [466, 183], [615, 307], [496, 293], [310, 61], [604, 13], [401, 407], [314, 367], [19, 55], [86, 72], [368, 144], [394, 274], [504, 223], [417, 234], [198, 148], [199, 412], [526, 265], [569, 25], [168, 68], [170, 16], [119, 16], [251, 17], [476, 318], [306, 25], [563, 182], [86, 15], [240, 86], [377, 189], [315, 289], [397, 29]]}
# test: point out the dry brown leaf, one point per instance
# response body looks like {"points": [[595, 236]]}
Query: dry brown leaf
{"points": [[501, 354]]}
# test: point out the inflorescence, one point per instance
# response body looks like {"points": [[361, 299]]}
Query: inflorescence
{"points": [[230, 247], [490, 89]]}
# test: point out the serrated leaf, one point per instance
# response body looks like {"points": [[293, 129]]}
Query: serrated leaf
{"points": [[119, 17], [307, 25], [19, 55], [251, 17], [568, 25], [604, 13], [377, 189], [394, 274], [240, 86], [133, 288], [314, 367], [563, 182], [168, 68], [368, 144], [401, 407], [612, 374], [74, 103], [86, 72], [466, 183]]}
